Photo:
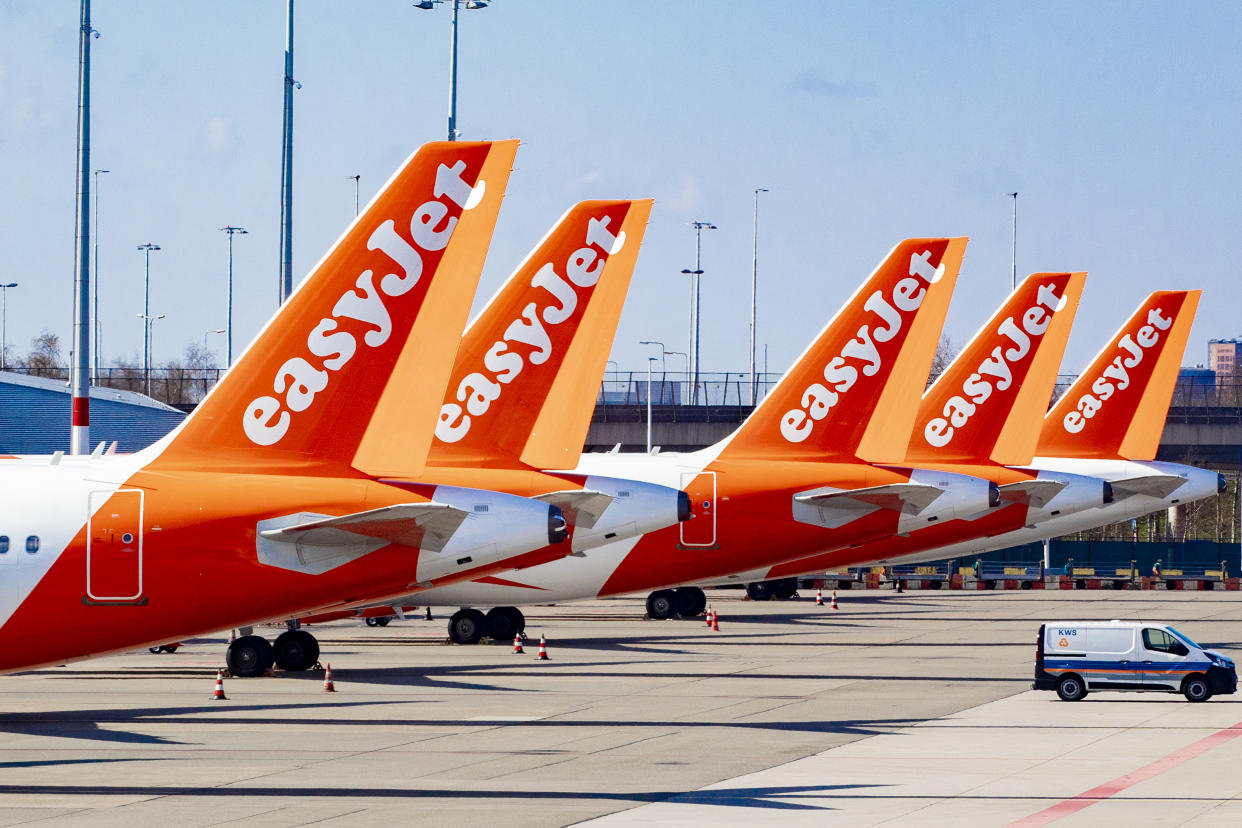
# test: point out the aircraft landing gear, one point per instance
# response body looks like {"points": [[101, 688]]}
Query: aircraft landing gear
{"points": [[467, 626], [503, 623], [377, 622], [296, 650], [782, 589], [687, 602], [249, 656]]}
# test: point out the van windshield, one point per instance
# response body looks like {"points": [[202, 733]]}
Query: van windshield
{"points": [[1185, 638]]}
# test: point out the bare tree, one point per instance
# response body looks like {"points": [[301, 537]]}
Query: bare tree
{"points": [[945, 353], [44, 359]]}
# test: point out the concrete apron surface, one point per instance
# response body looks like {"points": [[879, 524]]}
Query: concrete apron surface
{"points": [[909, 707]]}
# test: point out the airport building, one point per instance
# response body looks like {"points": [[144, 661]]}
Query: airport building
{"points": [[35, 414]]}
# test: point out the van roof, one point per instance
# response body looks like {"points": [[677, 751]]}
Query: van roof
{"points": [[1100, 623]]}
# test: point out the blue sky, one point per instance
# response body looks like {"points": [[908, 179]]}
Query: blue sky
{"points": [[1118, 124]]}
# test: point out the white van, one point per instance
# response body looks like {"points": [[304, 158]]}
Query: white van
{"points": [[1073, 657]]}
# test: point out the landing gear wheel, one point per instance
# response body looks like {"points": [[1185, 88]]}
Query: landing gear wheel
{"points": [[296, 650], [503, 623], [467, 626], [784, 589], [662, 604], [382, 621], [759, 591], [690, 601], [1196, 689], [1071, 688], [249, 656], [372, 622]]}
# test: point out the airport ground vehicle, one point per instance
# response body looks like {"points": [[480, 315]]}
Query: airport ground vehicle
{"points": [[1076, 657]]}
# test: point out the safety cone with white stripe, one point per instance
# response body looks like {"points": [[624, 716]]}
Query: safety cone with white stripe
{"points": [[715, 621], [219, 694], [328, 686], [834, 600], [708, 616], [517, 643], [819, 597], [543, 650]]}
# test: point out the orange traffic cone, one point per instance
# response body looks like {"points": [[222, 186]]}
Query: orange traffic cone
{"points": [[543, 650], [708, 616], [834, 600], [517, 643], [219, 694], [328, 686], [819, 597], [715, 621]]}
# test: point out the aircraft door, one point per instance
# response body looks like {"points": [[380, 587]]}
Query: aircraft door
{"points": [[114, 546], [700, 530]]}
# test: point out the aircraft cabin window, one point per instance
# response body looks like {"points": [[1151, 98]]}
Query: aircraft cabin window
{"points": [[32, 544], [4, 544]]}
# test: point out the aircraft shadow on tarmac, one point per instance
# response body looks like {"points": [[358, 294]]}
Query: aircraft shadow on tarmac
{"points": [[86, 724], [766, 798]]}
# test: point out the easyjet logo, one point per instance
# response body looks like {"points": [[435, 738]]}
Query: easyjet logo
{"points": [[558, 300], [995, 372], [1116, 377], [862, 353], [267, 419]]}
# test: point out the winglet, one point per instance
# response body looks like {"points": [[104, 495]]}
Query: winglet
{"points": [[988, 404], [529, 367], [378, 319], [854, 392], [1117, 407]]}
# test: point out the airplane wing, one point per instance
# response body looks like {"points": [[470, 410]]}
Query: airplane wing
{"points": [[317, 543], [837, 508], [1152, 485], [1031, 492], [582, 507]]}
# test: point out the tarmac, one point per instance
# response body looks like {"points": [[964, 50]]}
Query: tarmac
{"points": [[905, 709]]}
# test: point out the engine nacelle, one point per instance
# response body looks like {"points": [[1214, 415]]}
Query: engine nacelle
{"points": [[636, 509], [963, 497]]}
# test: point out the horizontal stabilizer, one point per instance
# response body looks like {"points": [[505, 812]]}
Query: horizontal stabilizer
{"points": [[582, 507], [837, 507], [314, 543], [1152, 485], [1034, 493]]}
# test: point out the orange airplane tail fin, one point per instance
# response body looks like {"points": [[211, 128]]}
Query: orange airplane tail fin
{"points": [[854, 392], [529, 367], [1117, 407], [989, 403], [374, 326]]}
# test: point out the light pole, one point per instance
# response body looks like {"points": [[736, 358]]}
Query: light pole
{"points": [[754, 296], [662, 351], [649, 361], [699, 227], [285, 277], [4, 319], [232, 231], [80, 371], [209, 333], [471, 5], [356, 178], [146, 312], [1015, 240], [147, 319], [95, 292]]}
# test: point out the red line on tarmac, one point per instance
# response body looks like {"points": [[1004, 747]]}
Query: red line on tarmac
{"points": [[1116, 786]]}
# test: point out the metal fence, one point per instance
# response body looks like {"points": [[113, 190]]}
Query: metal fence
{"points": [[1193, 399]]}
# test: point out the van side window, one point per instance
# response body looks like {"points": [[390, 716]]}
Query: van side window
{"points": [[1161, 642]]}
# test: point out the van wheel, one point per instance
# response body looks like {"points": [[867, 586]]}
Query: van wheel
{"points": [[1071, 688], [1196, 689]]}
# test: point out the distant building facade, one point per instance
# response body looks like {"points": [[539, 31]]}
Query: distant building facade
{"points": [[1224, 355], [35, 416]]}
